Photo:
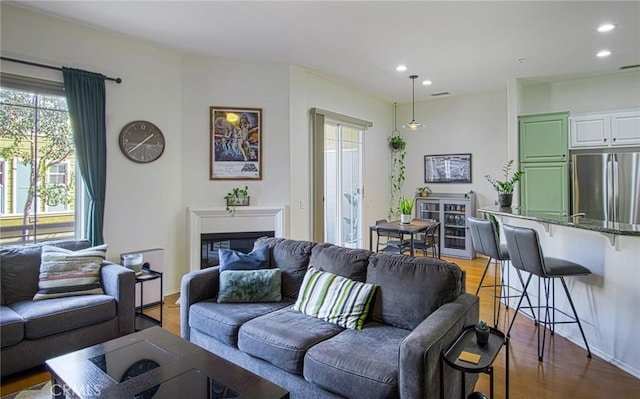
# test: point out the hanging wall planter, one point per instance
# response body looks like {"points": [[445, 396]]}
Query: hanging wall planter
{"points": [[397, 146], [397, 143]]}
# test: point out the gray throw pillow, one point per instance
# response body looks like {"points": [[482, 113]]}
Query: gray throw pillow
{"points": [[250, 286]]}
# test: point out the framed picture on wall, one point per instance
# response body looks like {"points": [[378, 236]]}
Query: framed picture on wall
{"points": [[236, 143], [448, 168]]}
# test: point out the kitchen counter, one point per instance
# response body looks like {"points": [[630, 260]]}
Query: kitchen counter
{"points": [[578, 222], [608, 300]]}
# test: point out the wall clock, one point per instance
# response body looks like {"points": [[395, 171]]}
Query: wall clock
{"points": [[141, 141]]}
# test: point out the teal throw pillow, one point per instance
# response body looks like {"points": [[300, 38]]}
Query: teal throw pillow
{"points": [[236, 260], [250, 286], [334, 298], [68, 273]]}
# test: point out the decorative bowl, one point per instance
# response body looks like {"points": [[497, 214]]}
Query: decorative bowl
{"points": [[133, 262]]}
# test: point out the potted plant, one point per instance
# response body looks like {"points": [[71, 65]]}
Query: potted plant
{"points": [[482, 333], [423, 191], [237, 197], [397, 143], [505, 188], [406, 209]]}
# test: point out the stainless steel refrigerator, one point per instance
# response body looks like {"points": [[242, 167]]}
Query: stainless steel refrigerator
{"points": [[606, 186]]}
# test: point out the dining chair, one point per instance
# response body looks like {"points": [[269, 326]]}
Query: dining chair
{"points": [[428, 239], [389, 241]]}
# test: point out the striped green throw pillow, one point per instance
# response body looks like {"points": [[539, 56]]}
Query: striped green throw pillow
{"points": [[334, 298], [68, 273]]}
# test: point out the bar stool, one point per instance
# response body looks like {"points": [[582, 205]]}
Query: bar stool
{"points": [[526, 254], [486, 242]]}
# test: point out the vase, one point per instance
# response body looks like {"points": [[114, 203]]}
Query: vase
{"points": [[505, 200], [405, 219]]}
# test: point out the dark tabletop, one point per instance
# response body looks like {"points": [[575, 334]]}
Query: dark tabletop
{"points": [[155, 362]]}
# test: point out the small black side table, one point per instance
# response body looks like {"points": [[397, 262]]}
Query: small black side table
{"points": [[144, 320], [466, 341]]}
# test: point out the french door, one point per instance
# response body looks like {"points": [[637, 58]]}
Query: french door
{"points": [[343, 188]]}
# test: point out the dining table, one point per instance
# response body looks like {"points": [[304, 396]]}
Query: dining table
{"points": [[412, 229]]}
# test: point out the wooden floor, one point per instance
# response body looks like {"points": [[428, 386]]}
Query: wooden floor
{"points": [[565, 372]]}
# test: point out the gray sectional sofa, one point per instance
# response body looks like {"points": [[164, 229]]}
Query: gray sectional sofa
{"points": [[34, 331], [419, 308]]}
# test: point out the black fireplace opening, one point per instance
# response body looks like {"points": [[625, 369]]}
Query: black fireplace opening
{"points": [[241, 241]]}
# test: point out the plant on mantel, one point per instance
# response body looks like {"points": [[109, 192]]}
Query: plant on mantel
{"points": [[236, 197]]}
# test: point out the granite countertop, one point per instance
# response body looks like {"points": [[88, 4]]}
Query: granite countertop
{"points": [[600, 226]]}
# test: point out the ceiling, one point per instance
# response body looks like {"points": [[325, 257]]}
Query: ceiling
{"points": [[463, 47]]}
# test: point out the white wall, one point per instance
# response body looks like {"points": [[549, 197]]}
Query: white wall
{"points": [[475, 124], [220, 82], [609, 92], [308, 91], [146, 204], [142, 201]]}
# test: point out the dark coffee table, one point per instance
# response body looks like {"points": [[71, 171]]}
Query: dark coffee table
{"points": [[154, 363]]}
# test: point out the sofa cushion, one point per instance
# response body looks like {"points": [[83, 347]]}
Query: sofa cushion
{"points": [[410, 289], [291, 257], [57, 315], [223, 320], [11, 327], [357, 364], [20, 268], [236, 260], [67, 273], [250, 286], [345, 262], [334, 298], [283, 337]]}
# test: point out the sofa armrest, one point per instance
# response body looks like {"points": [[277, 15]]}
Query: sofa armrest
{"points": [[196, 287], [119, 282], [419, 368]]}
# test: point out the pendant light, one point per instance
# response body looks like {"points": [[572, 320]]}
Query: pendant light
{"points": [[413, 125]]}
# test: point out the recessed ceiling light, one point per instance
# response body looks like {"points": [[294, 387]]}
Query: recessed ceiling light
{"points": [[606, 27], [401, 68], [426, 82], [603, 53]]}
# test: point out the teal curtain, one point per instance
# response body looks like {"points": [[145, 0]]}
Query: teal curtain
{"points": [[85, 92]]}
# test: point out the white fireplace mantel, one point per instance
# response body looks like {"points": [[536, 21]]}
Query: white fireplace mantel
{"points": [[218, 220]]}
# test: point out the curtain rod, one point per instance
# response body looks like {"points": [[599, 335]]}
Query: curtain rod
{"points": [[117, 80]]}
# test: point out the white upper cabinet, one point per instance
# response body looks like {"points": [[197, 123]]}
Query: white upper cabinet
{"points": [[625, 128], [590, 131], [615, 129]]}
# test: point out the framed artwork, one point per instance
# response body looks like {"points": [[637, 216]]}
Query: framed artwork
{"points": [[236, 143], [448, 168]]}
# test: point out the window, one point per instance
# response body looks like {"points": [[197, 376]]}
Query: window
{"points": [[37, 156], [57, 183]]}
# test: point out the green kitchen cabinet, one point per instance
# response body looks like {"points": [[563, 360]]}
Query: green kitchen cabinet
{"points": [[544, 137], [544, 188]]}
